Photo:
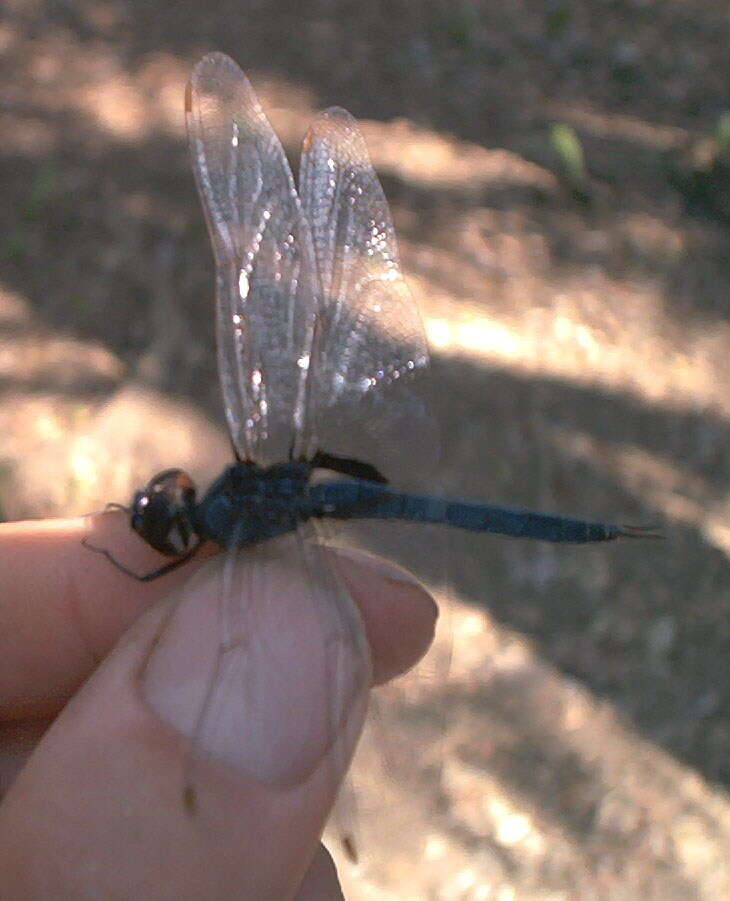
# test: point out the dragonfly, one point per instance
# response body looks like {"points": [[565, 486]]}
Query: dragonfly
{"points": [[323, 365], [320, 344]]}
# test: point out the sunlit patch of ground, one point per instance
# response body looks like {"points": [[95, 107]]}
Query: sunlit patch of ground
{"points": [[73, 456], [597, 331], [513, 810]]}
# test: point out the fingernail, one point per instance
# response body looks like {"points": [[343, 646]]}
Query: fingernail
{"points": [[262, 664]]}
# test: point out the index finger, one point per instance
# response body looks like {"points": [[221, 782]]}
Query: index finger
{"points": [[62, 607]]}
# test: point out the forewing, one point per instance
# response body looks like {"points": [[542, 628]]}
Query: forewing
{"points": [[265, 274], [368, 396]]}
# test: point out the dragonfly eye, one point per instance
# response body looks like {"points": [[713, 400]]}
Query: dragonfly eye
{"points": [[163, 513]]}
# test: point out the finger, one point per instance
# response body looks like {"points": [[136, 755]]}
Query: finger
{"points": [[320, 882], [106, 782], [63, 607], [399, 614]]}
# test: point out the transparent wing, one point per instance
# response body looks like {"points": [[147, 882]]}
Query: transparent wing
{"points": [[265, 272], [367, 398], [274, 679], [370, 400]]}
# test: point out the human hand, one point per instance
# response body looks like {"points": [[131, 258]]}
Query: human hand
{"points": [[91, 776]]}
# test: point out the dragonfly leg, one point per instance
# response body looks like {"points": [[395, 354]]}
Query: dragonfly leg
{"points": [[146, 577]]}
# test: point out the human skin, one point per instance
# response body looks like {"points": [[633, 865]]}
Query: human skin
{"points": [[91, 761]]}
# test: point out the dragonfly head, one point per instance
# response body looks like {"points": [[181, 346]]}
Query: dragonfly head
{"points": [[163, 513]]}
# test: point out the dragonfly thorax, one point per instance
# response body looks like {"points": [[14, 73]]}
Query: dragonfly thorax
{"points": [[250, 503]]}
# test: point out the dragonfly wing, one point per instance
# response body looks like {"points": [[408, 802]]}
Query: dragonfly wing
{"points": [[281, 672], [265, 271], [368, 396], [369, 400]]}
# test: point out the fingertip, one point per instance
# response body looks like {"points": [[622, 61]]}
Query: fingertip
{"points": [[399, 613]]}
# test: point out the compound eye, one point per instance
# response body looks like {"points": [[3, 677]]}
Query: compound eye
{"points": [[162, 514], [176, 483]]}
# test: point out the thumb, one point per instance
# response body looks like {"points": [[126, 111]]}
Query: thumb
{"points": [[185, 768]]}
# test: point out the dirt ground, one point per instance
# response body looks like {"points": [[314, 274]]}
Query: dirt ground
{"points": [[559, 174]]}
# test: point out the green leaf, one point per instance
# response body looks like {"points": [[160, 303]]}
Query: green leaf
{"points": [[569, 149]]}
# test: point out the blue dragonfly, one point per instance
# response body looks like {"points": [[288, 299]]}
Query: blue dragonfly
{"points": [[323, 365], [321, 352]]}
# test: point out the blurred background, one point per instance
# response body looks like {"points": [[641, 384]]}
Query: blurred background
{"points": [[559, 175]]}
